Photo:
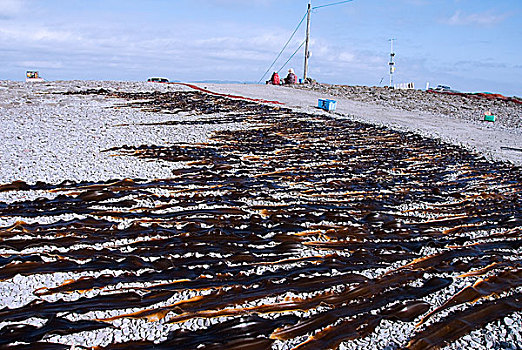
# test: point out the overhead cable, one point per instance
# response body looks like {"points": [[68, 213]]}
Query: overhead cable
{"points": [[298, 26], [300, 46], [284, 47], [332, 4]]}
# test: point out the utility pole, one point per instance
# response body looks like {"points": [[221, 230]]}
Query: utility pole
{"points": [[307, 53], [392, 64]]}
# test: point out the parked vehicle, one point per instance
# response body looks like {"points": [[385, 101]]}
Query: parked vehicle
{"points": [[32, 75], [157, 80], [441, 88]]}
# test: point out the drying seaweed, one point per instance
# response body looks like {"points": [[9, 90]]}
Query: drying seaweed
{"points": [[270, 233]]}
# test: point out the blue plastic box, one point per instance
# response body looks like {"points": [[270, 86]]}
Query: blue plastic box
{"points": [[327, 105]]}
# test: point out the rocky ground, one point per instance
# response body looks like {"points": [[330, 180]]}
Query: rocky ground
{"points": [[135, 215], [471, 108]]}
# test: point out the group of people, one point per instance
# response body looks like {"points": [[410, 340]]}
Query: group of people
{"points": [[291, 78]]}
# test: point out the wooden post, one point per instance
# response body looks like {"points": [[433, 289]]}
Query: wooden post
{"points": [[307, 53]]}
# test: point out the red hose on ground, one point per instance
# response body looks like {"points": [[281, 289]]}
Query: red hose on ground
{"points": [[195, 87], [480, 95]]}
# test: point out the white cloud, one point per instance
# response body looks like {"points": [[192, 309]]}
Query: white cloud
{"points": [[236, 3], [484, 18], [417, 2], [473, 65], [346, 57], [319, 49], [52, 64], [9, 8], [54, 36], [335, 57], [37, 34]]}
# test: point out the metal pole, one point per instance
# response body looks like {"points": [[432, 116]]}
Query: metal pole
{"points": [[392, 64], [307, 53]]}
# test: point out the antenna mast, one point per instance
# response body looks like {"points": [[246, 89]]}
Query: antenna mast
{"points": [[392, 64], [307, 53]]}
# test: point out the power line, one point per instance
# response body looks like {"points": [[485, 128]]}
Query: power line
{"points": [[284, 47], [332, 4], [300, 46], [298, 26]]}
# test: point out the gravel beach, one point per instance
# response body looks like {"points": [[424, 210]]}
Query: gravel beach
{"points": [[39, 127], [135, 215]]}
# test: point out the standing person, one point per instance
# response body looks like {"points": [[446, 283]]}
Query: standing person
{"points": [[291, 78]]}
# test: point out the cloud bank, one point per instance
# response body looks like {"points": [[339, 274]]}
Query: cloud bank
{"points": [[236, 40], [480, 19]]}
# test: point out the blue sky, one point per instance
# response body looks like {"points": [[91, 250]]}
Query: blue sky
{"points": [[471, 45]]}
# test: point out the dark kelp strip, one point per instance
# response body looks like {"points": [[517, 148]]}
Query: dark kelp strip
{"points": [[462, 322]]}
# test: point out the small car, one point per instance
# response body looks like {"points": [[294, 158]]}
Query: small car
{"points": [[157, 80], [441, 88]]}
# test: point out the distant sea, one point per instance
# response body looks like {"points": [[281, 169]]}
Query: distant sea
{"points": [[221, 82]]}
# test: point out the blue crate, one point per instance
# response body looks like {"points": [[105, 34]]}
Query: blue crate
{"points": [[327, 105]]}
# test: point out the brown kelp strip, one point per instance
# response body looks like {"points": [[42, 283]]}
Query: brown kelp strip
{"points": [[54, 325], [495, 285], [332, 336], [459, 323], [247, 332]]}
